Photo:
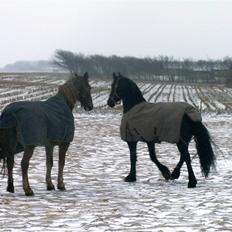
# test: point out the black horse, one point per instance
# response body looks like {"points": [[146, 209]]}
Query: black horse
{"points": [[27, 124], [126, 90]]}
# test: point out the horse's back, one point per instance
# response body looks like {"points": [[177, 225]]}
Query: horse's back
{"points": [[156, 121], [38, 122]]}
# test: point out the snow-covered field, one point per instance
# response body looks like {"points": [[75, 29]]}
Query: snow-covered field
{"points": [[97, 198]]}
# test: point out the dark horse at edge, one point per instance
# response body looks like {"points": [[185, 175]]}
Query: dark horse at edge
{"points": [[126, 90], [25, 125]]}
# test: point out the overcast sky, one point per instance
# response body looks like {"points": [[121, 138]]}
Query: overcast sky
{"points": [[34, 29]]}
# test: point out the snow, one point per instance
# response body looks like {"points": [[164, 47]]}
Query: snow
{"points": [[97, 198]]}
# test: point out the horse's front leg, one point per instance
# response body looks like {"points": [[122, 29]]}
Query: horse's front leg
{"points": [[28, 152], [133, 158], [49, 164], [163, 169], [62, 152], [176, 171], [10, 165]]}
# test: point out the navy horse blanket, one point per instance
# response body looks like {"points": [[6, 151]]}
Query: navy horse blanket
{"points": [[38, 122], [156, 122]]}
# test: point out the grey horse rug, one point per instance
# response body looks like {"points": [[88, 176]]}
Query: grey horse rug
{"points": [[37, 122], [156, 122]]}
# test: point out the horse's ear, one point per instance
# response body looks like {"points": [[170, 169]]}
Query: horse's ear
{"points": [[86, 75], [119, 74], [115, 76]]}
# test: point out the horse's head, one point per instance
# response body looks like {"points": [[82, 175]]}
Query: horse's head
{"points": [[126, 90], [78, 89], [84, 91], [116, 93]]}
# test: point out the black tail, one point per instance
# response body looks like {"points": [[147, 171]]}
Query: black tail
{"points": [[204, 148]]}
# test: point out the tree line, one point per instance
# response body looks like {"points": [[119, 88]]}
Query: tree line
{"points": [[161, 68]]}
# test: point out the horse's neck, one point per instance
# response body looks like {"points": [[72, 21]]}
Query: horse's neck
{"points": [[130, 102], [69, 103], [68, 96]]}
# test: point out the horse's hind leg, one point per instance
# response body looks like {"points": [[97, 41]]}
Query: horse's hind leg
{"points": [[62, 152], [133, 158], [8, 144], [163, 169], [10, 165], [183, 148], [176, 171], [49, 164], [28, 152]]}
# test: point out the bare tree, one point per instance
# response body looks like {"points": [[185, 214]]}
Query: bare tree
{"points": [[162, 68]]}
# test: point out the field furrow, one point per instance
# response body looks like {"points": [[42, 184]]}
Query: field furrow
{"points": [[19, 87]]}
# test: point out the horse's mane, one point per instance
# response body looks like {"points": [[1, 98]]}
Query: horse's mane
{"points": [[132, 90], [69, 91]]}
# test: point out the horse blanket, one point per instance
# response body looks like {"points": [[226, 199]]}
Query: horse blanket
{"points": [[37, 122], [156, 122]]}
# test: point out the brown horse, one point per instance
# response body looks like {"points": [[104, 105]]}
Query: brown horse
{"points": [[27, 124]]}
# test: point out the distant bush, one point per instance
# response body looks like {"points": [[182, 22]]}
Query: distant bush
{"points": [[229, 82], [228, 78]]}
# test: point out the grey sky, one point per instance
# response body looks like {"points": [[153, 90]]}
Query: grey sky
{"points": [[33, 29]]}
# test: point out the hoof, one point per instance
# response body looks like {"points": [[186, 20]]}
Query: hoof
{"points": [[61, 187], [10, 189], [50, 187], [175, 174], [192, 184], [166, 174], [29, 192], [130, 179]]}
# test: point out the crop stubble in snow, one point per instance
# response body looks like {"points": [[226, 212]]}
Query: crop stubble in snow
{"points": [[97, 198]]}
